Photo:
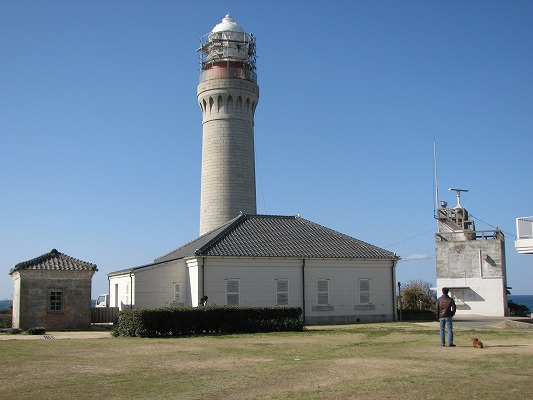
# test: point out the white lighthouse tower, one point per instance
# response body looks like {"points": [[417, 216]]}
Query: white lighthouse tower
{"points": [[227, 95]]}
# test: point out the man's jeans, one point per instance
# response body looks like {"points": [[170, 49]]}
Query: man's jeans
{"points": [[443, 322]]}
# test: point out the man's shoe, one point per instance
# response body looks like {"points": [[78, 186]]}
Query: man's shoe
{"points": [[451, 345]]}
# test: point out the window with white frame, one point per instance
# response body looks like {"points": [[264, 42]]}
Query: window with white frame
{"points": [[177, 292], [55, 301], [322, 290], [282, 292], [232, 292], [364, 291]]}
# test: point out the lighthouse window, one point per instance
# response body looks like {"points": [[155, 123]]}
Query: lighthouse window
{"points": [[220, 103], [55, 301], [230, 103]]}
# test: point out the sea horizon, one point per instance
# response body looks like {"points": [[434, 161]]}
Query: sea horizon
{"points": [[523, 299]]}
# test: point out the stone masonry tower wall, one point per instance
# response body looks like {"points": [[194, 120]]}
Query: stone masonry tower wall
{"points": [[227, 96]]}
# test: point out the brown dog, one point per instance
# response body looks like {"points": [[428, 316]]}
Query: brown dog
{"points": [[477, 343]]}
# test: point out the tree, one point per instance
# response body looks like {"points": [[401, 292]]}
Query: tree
{"points": [[417, 294], [518, 310]]}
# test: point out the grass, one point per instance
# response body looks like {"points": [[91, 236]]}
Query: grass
{"points": [[374, 361]]}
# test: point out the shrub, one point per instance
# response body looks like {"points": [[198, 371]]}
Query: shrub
{"points": [[216, 319], [5, 319], [518, 310], [36, 330], [14, 331], [415, 292], [416, 315]]}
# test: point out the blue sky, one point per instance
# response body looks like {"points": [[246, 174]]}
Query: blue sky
{"points": [[100, 131]]}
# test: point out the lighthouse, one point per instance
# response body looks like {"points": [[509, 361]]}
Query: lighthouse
{"points": [[227, 95]]}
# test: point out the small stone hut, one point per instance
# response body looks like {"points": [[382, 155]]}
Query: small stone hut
{"points": [[52, 291]]}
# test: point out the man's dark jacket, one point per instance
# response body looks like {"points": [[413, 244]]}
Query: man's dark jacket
{"points": [[445, 307]]}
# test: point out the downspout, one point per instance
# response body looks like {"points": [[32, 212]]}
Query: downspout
{"points": [[108, 291], [303, 289], [393, 273], [131, 291], [203, 276]]}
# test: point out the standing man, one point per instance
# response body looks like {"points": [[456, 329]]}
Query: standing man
{"points": [[445, 310]]}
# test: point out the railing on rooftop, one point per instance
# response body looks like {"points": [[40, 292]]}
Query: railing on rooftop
{"points": [[473, 235]]}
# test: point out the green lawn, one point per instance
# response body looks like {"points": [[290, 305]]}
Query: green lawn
{"points": [[374, 361]]}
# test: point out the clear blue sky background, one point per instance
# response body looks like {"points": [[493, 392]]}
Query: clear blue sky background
{"points": [[100, 148]]}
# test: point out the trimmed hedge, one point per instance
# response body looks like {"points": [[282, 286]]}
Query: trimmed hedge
{"points": [[417, 315], [189, 321]]}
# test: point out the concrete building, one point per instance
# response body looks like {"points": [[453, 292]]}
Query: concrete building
{"points": [[228, 96], [53, 291], [471, 263]]}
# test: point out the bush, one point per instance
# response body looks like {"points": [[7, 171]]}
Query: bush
{"points": [[216, 319], [417, 315], [36, 330], [418, 292], [5, 319], [14, 331], [518, 310]]}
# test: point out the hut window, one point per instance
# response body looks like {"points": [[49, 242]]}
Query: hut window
{"points": [[55, 304]]}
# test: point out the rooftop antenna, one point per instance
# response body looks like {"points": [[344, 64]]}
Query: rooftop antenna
{"points": [[435, 180], [458, 191]]}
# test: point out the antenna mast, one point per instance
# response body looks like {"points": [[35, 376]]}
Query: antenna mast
{"points": [[436, 180]]}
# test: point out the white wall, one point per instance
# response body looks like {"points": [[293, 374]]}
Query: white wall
{"points": [[257, 279], [121, 291], [483, 297], [344, 304], [153, 286]]}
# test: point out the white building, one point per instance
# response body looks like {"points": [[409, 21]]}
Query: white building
{"points": [[260, 260], [471, 263]]}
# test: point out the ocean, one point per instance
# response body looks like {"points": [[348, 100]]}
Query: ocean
{"points": [[525, 300]]}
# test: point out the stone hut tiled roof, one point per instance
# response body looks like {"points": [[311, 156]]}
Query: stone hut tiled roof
{"points": [[278, 236], [54, 260]]}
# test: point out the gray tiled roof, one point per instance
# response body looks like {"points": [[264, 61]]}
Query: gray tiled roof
{"points": [[277, 236], [54, 260]]}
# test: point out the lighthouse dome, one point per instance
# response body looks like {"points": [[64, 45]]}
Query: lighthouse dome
{"points": [[227, 24]]}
